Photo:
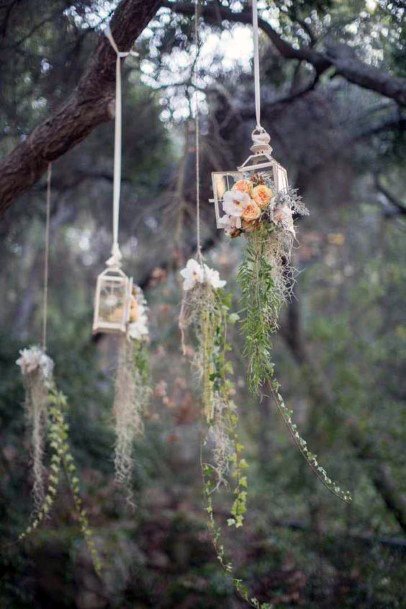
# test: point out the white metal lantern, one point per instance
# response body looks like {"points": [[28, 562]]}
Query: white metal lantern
{"points": [[112, 301], [222, 181], [260, 161]]}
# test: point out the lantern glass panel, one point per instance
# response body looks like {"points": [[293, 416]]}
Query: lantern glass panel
{"points": [[113, 294], [258, 162], [112, 301], [222, 182], [280, 177], [266, 165]]}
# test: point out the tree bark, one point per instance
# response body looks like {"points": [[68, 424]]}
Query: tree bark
{"points": [[89, 105]]}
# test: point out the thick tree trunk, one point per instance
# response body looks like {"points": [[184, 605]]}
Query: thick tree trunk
{"points": [[90, 104]]}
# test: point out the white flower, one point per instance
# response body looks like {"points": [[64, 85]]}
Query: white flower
{"points": [[192, 274], [226, 222], [35, 359], [234, 204], [138, 330], [283, 215], [229, 224], [212, 277], [195, 273], [138, 325]]}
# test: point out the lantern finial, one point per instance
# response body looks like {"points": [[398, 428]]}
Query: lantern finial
{"points": [[261, 141]]}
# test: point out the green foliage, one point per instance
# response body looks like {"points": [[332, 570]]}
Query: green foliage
{"points": [[132, 393], [261, 307], [301, 444], [216, 533], [61, 456]]}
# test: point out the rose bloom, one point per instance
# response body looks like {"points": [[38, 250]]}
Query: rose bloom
{"points": [[262, 195], [243, 186], [251, 212]]}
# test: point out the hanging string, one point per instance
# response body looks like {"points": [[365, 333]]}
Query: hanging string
{"points": [[256, 64], [260, 137], [46, 259], [115, 250], [197, 137]]}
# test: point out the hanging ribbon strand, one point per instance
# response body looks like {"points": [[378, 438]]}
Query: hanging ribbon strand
{"points": [[116, 256], [46, 259], [197, 136], [256, 64], [260, 136]]}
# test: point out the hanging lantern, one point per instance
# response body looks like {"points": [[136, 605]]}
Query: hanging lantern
{"points": [[112, 301], [260, 164]]}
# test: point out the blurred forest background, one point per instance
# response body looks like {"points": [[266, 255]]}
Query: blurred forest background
{"points": [[332, 96]]}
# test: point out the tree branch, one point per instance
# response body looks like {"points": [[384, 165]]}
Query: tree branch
{"points": [[396, 206], [88, 106], [341, 57]]}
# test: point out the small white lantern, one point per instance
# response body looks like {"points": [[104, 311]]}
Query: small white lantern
{"points": [[260, 162], [112, 301]]}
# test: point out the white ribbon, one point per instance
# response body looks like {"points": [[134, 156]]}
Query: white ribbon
{"points": [[260, 136], [256, 64], [115, 250]]}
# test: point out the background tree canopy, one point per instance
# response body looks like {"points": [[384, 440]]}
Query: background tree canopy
{"points": [[334, 96]]}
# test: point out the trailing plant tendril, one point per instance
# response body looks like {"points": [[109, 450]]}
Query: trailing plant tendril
{"points": [[61, 457], [132, 393], [227, 565], [310, 458], [266, 278]]}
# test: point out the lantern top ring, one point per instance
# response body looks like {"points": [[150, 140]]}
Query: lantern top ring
{"points": [[261, 139]]}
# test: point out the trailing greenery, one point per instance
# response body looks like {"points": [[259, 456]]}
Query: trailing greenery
{"points": [[263, 293], [261, 306], [205, 310], [216, 535], [210, 311], [301, 444], [62, 458], [36, 410], [227, 450], [132, 393]]}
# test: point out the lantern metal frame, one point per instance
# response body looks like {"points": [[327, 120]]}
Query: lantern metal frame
{"points": [[254, 163], [260, 161], [117, 279], [218, 198]]}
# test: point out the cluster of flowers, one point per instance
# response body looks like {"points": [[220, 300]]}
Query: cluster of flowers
{"points": [[138, 322], [196, 273], [250, 202], [34, 359]]}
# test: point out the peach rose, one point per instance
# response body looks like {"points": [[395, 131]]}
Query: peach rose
{"points": [[243, 186], [251, 212], [262, 195]]}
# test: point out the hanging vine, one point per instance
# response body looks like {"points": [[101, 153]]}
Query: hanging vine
{"points": [[36, 368]]}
